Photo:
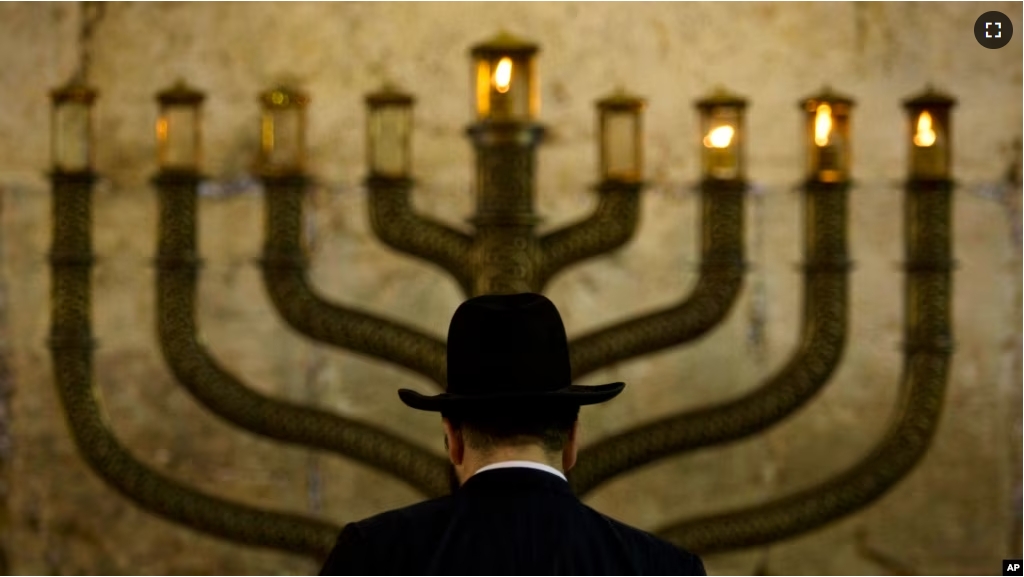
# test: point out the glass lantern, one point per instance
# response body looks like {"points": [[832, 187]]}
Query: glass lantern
{"points": [[621, 137], [929, 117], [72, 137], [721, 125], [505, 78], [388, 132], [828, 136], [283, 131], [178, 131]]}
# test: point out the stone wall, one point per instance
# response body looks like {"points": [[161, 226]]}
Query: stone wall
{"points": [[958, 512]]}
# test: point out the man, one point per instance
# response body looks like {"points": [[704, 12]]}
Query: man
{"points": [[511, 430]]}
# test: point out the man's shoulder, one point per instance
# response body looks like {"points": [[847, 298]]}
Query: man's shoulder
{"points": [[367, 547], [660, 556], [410, 517]]}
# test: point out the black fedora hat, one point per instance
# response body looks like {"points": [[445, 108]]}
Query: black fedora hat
{"points": [[508, 353]]}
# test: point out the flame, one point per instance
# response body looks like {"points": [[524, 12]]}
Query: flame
{"points": [[161, 129], [925, 135], [822, 124], [503, 75], [719, 137]]}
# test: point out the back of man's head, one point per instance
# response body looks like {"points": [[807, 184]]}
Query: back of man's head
{"points": [[547, 428]]}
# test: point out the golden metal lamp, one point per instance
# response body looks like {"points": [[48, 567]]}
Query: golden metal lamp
{"points": [[179, 128], [389, 132], [929, 118], [72, 125], [721, 128], [828, 136], [504, 74], [283, 131], [620, 128]]}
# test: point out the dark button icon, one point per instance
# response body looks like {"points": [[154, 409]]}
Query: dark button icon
{"points": [[993, 29]]}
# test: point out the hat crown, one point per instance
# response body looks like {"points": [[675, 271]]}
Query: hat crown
{"points": [[500, 344]]}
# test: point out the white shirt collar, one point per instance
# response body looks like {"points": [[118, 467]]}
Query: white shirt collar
{"points": [[523, 464]]}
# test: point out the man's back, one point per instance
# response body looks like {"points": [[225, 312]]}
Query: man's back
{"points": [[504, 521]]}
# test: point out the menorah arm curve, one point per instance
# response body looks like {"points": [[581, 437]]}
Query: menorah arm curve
{"points": [[716, 291], [71, 347], [922, 391], [285, 277], [813, 362], [225, 395], [398, 226], [903, 446], [611, 225]]}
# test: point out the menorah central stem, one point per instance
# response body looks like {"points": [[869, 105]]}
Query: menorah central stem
{"points": [[506, 256]]}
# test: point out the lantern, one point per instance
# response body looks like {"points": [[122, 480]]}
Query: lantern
{"points": [[828, 136], [72, 137], [178, 130], [389, 131], [283, 131], [505, 79], [620, 137], [721, 122], [929, 118]]}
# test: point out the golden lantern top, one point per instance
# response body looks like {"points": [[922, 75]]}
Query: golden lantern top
{"points": [[504, 44], [929, 99], [284, 97], [721, 98], [389, 95], [826, 96], [181, 94], [74, 91], [620, 100]]}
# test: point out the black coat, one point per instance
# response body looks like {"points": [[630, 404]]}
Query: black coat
{"points": [[512, 521]]}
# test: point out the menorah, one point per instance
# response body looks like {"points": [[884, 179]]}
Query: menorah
{"points": [[504, 254]]}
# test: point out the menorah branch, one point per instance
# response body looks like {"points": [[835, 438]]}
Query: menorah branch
{"points": [[922, 390], [807, 371], [285, 276], [71, 347], [398, 226], [612, 224], [717, 288], [225, 395]]}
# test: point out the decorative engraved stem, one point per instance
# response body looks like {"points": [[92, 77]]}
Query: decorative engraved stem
{"points": [[504, 259], [284, 274], [225, 395], [399, 227], [721, 278], [612, 224], [925, 373], [505, 255], [824, 334], [71, 347]]}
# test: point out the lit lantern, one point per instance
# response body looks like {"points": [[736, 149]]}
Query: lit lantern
{"points": [[721, 121], [388, 131], [283, 131], [828, 136], [72, 138], [505, 79], [621, 140], [929, 134], [178, 129]]}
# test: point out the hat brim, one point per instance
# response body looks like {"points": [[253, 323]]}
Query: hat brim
{"points": [[573, 395]]}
